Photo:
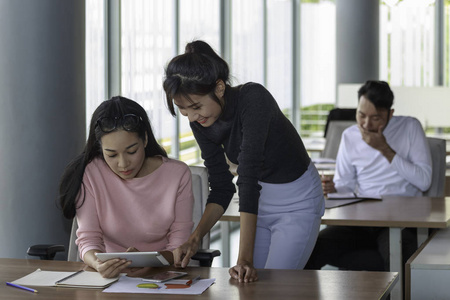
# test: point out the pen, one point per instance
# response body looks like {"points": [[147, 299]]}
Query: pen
{"points": [[21, 287], [70, 276]]}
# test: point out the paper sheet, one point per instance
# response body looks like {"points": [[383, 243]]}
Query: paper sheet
{"points": [[129, 285]]}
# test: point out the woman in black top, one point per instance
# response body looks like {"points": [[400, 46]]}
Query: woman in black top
{"points": [[280, 194]]}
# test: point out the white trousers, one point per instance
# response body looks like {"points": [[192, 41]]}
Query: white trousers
{"points": [[288, 222]]}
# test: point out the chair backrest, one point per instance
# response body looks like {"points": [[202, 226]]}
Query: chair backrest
{"points": [[73, 254], [200, 189], [339, 114], [333, 137], [438, 158]]}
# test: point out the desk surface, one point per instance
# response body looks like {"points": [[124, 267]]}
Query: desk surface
{"points": [[392, 211], [272, 284]]}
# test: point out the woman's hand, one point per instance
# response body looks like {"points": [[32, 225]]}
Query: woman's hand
{"points": [[243, 272], [108, 269], [136, 271], [183, 254], [111, 268]]}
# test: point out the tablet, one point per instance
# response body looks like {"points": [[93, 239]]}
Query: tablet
{"points": [[139, 259], [165, 276]]}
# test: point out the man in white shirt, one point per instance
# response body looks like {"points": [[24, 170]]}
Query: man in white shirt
{"points": [[380, 155]]}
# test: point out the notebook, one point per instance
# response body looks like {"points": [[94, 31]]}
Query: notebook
{"points": [[351, 195], [81, 279], [341, 199]]}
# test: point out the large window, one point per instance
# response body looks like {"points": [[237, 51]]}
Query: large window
{"points": [[247, 41], [147, 44], [447, 43], [407, 42], [95, 56], [280, 68], [199, 20], [259, 38], [317, 63]]}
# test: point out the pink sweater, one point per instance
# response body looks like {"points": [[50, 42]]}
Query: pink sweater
{"points": [[151, 213]]}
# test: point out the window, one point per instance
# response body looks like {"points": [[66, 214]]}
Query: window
{"points": [[261, 48], [199, 20], [407, 33], [280, 61], [447, 43], [247, 41], [147, 45], [317, 63], [95, 56]]}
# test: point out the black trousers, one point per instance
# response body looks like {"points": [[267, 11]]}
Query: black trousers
{"points": [[358, 248]]}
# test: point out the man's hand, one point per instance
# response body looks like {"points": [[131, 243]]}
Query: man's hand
{"points": [[327, 185], [377, 141]]}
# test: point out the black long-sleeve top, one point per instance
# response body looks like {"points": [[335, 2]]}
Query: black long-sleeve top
{"points": [[254, 134]]}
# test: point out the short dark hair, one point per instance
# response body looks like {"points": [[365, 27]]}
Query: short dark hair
{"points": [[377, 92], [195, 72]]}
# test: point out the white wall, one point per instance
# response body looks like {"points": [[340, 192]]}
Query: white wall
{"points": [[430, 105]]}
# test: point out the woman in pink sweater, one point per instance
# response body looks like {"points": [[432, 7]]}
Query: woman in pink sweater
{"points": [[126, 193]]}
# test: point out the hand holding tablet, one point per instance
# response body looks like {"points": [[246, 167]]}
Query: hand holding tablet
{"points": [[139, 259]]}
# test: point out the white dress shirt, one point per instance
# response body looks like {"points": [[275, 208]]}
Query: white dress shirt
{"points": [[362, 169]]}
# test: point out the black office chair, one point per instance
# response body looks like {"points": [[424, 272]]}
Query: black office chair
{"points": [[340, 114]]}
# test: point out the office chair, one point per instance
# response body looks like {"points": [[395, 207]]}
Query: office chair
{"points": [[438, 158], [340, 114], [333, 137], [203, 257]]}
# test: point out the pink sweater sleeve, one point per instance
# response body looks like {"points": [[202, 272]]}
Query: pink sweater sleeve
{"points": [[87, 217], [182, 226]]}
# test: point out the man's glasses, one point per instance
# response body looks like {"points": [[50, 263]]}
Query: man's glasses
{"points": [[128, 122]]}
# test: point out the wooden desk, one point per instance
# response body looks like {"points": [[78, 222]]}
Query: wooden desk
{"points": [[395, 212], [272, 284]]}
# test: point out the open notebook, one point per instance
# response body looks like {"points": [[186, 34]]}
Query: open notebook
{"points": [[82, 279]]}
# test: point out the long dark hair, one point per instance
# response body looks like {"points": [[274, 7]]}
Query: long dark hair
{"points": [[71, 183], [195, 72]]}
